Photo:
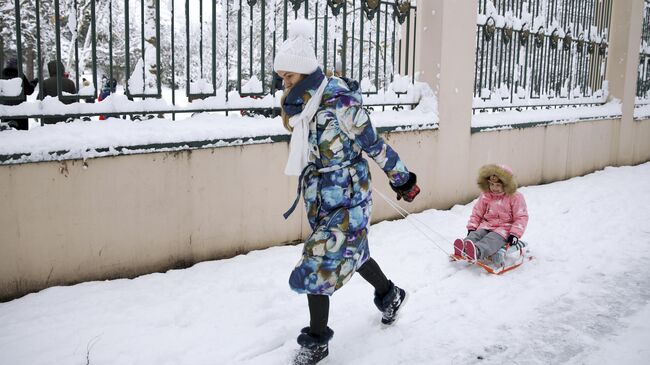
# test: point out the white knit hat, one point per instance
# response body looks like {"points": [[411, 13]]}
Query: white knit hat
{"points": [[296, 54]]}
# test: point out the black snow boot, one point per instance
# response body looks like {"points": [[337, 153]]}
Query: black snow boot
{"points": [[390, 303], [312, 348]]}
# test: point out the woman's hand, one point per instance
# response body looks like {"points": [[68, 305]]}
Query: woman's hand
{"points": [[409, 190]]}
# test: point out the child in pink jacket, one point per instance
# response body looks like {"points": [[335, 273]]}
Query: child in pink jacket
{"points": [[499, 215]]}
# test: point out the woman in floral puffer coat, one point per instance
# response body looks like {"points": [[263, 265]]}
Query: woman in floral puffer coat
{"points": [[330, 130]]}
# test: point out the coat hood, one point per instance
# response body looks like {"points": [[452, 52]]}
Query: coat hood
{"points": [[51, 68], [338, 87], [503, 172]]}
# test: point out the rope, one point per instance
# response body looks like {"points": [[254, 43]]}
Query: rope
{"points": [[405, 213]]}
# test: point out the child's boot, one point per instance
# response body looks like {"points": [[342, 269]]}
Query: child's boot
{"points": [[458, 247], [313, 348], [499, 258], [390, 303], [472, 252]]}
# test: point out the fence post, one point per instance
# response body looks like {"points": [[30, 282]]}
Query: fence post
{"points": [[625, 40], [445, 53]]}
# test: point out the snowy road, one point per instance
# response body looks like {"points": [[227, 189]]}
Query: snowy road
{"points": [[584, 299]]}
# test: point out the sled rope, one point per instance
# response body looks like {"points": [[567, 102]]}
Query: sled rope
{"points": [[405, 213]]}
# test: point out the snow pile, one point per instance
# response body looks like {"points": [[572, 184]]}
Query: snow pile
{"points": [[501, 97], [642, 111], [11, 87], [584, 299], [87, 139], [526, 21], [82, 138], [87, 91], [143, 81], [367, 86], [118, 102], [400, 91], [202, 86], [400, 83], [506, 119], [252, 86]]}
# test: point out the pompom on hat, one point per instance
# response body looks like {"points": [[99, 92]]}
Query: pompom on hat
{"points": [[296, 54]]}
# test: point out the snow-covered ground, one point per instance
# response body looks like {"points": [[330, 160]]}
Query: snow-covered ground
{"points": [[583, 299]]}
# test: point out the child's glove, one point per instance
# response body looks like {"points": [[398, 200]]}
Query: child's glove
{"points": [[513, 240], [409, 190]]}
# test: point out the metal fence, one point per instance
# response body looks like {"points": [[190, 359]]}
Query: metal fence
{"points": [[643, 79], [208, 48], [541, 53]]}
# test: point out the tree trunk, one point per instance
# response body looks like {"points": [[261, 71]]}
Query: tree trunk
{"points": [[2, 52], [29, 62]]}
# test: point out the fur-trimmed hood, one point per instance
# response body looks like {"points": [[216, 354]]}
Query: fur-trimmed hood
{"points": [[503, 172]]}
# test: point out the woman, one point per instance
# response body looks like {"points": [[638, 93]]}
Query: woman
{"points": [[330, 129]]}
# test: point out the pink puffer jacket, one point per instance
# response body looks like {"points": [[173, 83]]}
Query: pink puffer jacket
{"points": [[500, 213]]}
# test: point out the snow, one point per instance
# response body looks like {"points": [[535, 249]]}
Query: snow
{"points": [[563, 115], [87, 91], [400, 83], [539, 22], [500, 97], [254, 85], [141, 81], [87, 139], [583, 299], [642, 111], [511, 94], [11, 87], [367, 85], [82, 138], [118, 102], [202, 86]]}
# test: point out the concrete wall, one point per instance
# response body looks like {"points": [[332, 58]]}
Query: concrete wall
{"points": [[65, 222], [72, 221]]}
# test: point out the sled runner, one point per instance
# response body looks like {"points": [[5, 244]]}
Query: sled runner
{"points": [[506, 259]]}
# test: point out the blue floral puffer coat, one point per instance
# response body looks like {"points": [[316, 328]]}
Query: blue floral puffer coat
{"points": [[337, 189]]}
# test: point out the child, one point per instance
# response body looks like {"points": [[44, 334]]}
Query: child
{"points": [[499, 215], [330, 130]]}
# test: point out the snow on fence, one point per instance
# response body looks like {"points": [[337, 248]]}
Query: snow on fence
{"points": [[221, 49], [541, 53]]}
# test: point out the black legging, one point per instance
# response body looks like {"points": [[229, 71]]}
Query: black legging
{"points": [[319, 305], [371, 271]]}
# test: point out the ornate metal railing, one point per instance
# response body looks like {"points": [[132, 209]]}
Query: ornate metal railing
{"points": [[541, 53], [643, 79], [210, 49]]}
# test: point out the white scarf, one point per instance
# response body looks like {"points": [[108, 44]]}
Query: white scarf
{"points": [[299, 145]]}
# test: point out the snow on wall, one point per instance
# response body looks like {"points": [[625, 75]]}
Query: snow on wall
{"points": [[254, 85], [119, 103], [114, 136], [201, 86], [11, 87], [642, 111], [500, 98], [507, 119]]}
